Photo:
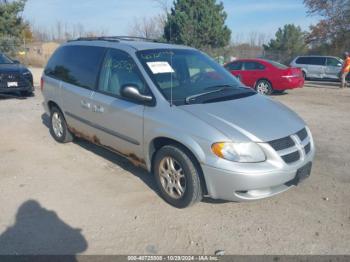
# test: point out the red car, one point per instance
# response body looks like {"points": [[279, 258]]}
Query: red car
{"points": [[266, 76]]}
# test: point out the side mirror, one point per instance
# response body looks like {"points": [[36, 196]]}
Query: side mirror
{"points": [[16, 61], [339, 65], [133, 93]]}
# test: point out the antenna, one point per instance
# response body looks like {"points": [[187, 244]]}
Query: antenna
{"points": [[171, 79], [171, 74]]}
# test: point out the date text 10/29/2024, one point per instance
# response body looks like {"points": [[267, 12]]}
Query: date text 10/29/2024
{"points": [[173, 258]]}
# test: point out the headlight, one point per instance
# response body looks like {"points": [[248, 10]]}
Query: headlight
{"points": [[239, 152]]}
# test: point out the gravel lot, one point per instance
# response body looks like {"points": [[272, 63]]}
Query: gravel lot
{"points": [[78, 198]]}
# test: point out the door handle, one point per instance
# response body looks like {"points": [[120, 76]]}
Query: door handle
{"points": [[98, 109], [85, 104]]}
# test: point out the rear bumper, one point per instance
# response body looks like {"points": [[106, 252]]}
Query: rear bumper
{"points": [[289, 83], [241, 187]]}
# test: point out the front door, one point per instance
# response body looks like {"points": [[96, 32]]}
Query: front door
{"points": [[119, 122], [333, 68]]}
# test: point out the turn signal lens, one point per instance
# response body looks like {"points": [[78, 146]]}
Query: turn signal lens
{"points": [[217, 149]]}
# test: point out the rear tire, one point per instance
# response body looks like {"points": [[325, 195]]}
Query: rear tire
{"points": [[58, 127], [264, 87], [177, 176]]}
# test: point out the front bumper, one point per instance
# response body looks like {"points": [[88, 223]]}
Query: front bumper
{"points": [[248, 186], [22, 84]]}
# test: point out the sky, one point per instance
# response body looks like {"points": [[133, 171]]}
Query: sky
{"points": [[117, 16]]}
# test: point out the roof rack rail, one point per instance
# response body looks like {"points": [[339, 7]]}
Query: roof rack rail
{"points": [[95, 38], [135, 38], [115, 38]]}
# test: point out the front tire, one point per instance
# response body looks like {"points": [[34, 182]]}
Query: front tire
{"points": [[264, 87], [58, 127], [177, 176]]}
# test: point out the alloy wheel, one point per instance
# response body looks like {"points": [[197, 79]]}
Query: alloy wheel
{"points": [[263, 87], [57, 124], [172, 177]]}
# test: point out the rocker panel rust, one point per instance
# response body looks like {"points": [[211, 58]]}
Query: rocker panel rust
{"points": [[135, 160]]}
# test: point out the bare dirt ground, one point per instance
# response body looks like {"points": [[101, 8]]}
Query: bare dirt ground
{"points": [[79, 198]]}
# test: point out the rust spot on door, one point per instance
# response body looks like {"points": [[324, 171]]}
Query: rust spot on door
{"points": [[135, 160]]}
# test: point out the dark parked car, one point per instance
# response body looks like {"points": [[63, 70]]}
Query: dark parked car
{"points": [[14, 77]]}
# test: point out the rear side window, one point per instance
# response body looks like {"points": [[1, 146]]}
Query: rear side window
{"points": [[77, 65], [311, 60], [234, 66], [302, 61], [253, 66]]}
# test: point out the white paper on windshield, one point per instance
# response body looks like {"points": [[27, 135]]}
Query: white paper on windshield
{"points": [[160, 67]]}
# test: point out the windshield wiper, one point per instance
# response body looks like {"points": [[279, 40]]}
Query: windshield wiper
{"points": [[217, 86], [224, 87]]}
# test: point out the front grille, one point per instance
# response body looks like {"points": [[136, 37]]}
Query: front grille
{"points": [[8, 77], [291, 158], [282, 143], [288, 149], [307, 148], [302, 134]]}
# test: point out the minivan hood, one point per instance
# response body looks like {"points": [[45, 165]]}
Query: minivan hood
{"points": [[256, 118]]}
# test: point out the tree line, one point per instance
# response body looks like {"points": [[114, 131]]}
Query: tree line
{"points": [[201, 24]]}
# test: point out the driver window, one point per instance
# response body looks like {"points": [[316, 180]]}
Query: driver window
{"points": [[118, 70], [333, 62]]}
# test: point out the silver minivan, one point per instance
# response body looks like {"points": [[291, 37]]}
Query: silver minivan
{"points": [[319, 67], [177, 113]]}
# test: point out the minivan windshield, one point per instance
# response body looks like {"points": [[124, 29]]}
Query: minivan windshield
{"points": [[5, 60], [186, 76]]}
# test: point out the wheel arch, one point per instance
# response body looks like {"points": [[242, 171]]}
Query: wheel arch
{"points": [[161, 141], [52, 104]]}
